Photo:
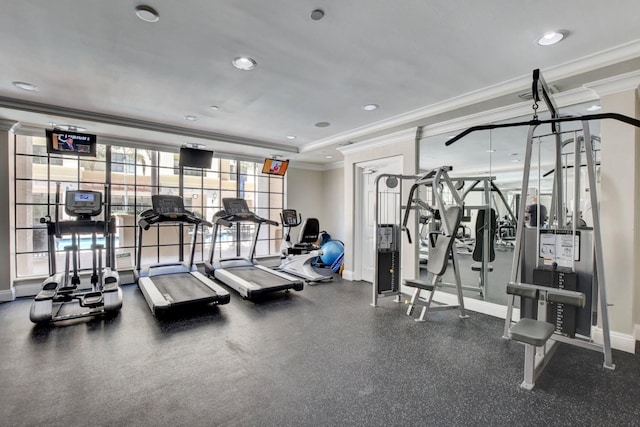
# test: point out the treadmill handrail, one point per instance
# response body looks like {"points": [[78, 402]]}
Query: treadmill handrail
{"points": [[150, 217], [222, 218]]}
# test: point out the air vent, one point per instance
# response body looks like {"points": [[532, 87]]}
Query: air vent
{"points": [[528, 96]]}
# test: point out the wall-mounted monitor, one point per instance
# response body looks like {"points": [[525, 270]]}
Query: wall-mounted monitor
{"points": [[195, 158], [275, 167], [64, 142]]}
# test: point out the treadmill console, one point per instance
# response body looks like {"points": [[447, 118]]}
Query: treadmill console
{"points": [[83, 203], [237, 207], [167, 205]]}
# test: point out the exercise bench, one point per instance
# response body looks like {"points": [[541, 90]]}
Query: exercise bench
{"points": [[536, 335]]}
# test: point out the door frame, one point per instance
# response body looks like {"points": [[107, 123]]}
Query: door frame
{"points": [[359, 210]]}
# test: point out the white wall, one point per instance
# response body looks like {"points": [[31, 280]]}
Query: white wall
{"points": [[620, 213], [333, 203], [304, 194]]}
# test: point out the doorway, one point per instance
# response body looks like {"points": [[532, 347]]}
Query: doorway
{"points": [[365, 191]]}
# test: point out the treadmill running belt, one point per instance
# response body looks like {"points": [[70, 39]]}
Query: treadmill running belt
{"points": [[260, 277], [183, 288]]}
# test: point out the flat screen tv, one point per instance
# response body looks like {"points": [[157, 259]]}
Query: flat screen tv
{"points": [[275, 167], [195, 158], [64, 142]]}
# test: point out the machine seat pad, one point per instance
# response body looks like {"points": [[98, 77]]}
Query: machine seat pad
{"points": [[419, 284], [531, 331], [477, 266]]}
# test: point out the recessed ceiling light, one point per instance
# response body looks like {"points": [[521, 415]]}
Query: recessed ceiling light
{"points": [[594, 108], [71, 128], [190, 118], [244, 63], [370, 107], [26, 86], [291, 137], [214, 107], [317, 14], [322, 124], [550, 38], [328, 157], [147, 13], [515, 161], [491, 151]]}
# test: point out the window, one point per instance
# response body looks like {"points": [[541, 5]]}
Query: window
{"points": [[134, 175]]}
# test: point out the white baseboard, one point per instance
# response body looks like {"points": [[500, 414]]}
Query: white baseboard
{"points": [[479, 306], [7, 295], [348, 275], [636, 332], [27, 289], [619, 341]]}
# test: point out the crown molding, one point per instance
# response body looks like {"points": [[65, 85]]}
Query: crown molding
{"points": [[585, 64], [316, 166], [71, 113], [7, 125], [616, 84], [563, 99], [381, 141]]}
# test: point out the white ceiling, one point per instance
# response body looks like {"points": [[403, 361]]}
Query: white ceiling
{"points": [[98, 66]]}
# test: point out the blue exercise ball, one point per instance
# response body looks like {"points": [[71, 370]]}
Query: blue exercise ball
{"points": [[331, 251]]}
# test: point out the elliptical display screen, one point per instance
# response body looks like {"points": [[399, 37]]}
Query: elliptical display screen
{"points": [[79, 202]]}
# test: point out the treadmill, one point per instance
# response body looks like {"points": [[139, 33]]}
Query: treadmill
{"points": [[167, 286], [243, 274]]}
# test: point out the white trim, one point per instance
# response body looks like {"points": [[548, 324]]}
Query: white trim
{"points": [[347, 275], [564, 99], [616, 84], [478, 306], [7, 125], [7, 295], [316, 166], [370, 144], [619, 341], [588, 63]]}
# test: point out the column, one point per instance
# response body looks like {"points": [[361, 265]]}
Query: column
{"points": [[7, 222], [620, 203]]}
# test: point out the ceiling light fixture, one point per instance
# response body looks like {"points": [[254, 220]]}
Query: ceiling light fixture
{"points": [[550, 38], [190, 118], [215, 107], [317, 14], [370, 107], [491, 151], [594, 108], [328, 157], [244, 63], [147, 13], [515, 161], [26, 86], [291, 137], [322, 124]]}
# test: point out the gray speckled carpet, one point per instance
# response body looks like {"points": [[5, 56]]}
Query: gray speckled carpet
{"points": [[318, 357]]}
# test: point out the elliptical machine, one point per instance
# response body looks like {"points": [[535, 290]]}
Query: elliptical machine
{"points": [[298, 259], [104, 295]]}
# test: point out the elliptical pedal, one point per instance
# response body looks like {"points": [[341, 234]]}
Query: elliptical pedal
{"points": [[91, 300]]}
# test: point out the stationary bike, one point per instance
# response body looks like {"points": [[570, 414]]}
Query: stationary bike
{"points": [[61, 297], [298, 259]]}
